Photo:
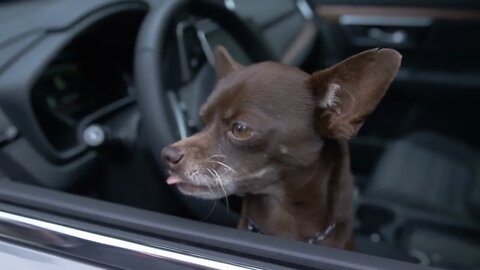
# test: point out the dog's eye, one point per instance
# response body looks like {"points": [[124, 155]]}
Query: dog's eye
{"points": [[241, 131]]}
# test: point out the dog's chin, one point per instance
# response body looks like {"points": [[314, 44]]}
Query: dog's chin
{"points": [[252, 182], [204, 188], [202, 192]]}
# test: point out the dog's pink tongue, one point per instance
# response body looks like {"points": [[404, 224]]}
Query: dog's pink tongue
{"points": [[173, 180]]}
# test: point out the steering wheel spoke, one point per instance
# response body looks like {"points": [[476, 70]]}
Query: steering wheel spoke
{"points": [[190, 49], [178, 113]]}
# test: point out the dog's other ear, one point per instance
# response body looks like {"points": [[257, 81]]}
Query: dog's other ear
{"points": [[349, 91], [224, 63]]}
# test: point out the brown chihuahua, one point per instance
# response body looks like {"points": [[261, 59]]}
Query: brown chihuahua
{"points": [[278, 136]]}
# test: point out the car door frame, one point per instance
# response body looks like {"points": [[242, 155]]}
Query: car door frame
{"points": [[159, 231]]}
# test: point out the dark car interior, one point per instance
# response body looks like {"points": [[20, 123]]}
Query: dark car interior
{"points": [[89, 95]]}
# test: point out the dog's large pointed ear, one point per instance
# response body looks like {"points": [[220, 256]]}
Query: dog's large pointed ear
{"points": [[224, 63], [349, 91]]}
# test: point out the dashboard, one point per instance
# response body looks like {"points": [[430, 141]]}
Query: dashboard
{"points": [[59, 73], [71, 89], [81, 80]]}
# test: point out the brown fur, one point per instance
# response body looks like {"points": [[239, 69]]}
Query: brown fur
{"points": [[294, 169]]}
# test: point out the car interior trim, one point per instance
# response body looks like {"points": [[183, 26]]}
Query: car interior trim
{"points": [[17, 257], [305, 9], [137, 224], [385, 20], [301, 43], [50, 234], [334, 12]]}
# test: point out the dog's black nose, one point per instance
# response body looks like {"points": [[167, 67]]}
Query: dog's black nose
{"points": [[172, 155]]}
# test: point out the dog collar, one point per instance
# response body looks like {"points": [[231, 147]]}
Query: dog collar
{"points": [[252, 227], [316, 239]]}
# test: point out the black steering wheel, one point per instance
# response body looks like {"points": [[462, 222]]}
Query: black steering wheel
{"points": [[162, 118]]}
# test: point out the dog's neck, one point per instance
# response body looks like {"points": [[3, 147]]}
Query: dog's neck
{"points": [[305, 201]]}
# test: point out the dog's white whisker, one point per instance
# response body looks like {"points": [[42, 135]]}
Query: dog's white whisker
{"points": [[202, 180], [260, 173], [224, 165], [217, 176], [211, 210], [199, 178], [223, 188], [214, 156], [208, 185]]}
